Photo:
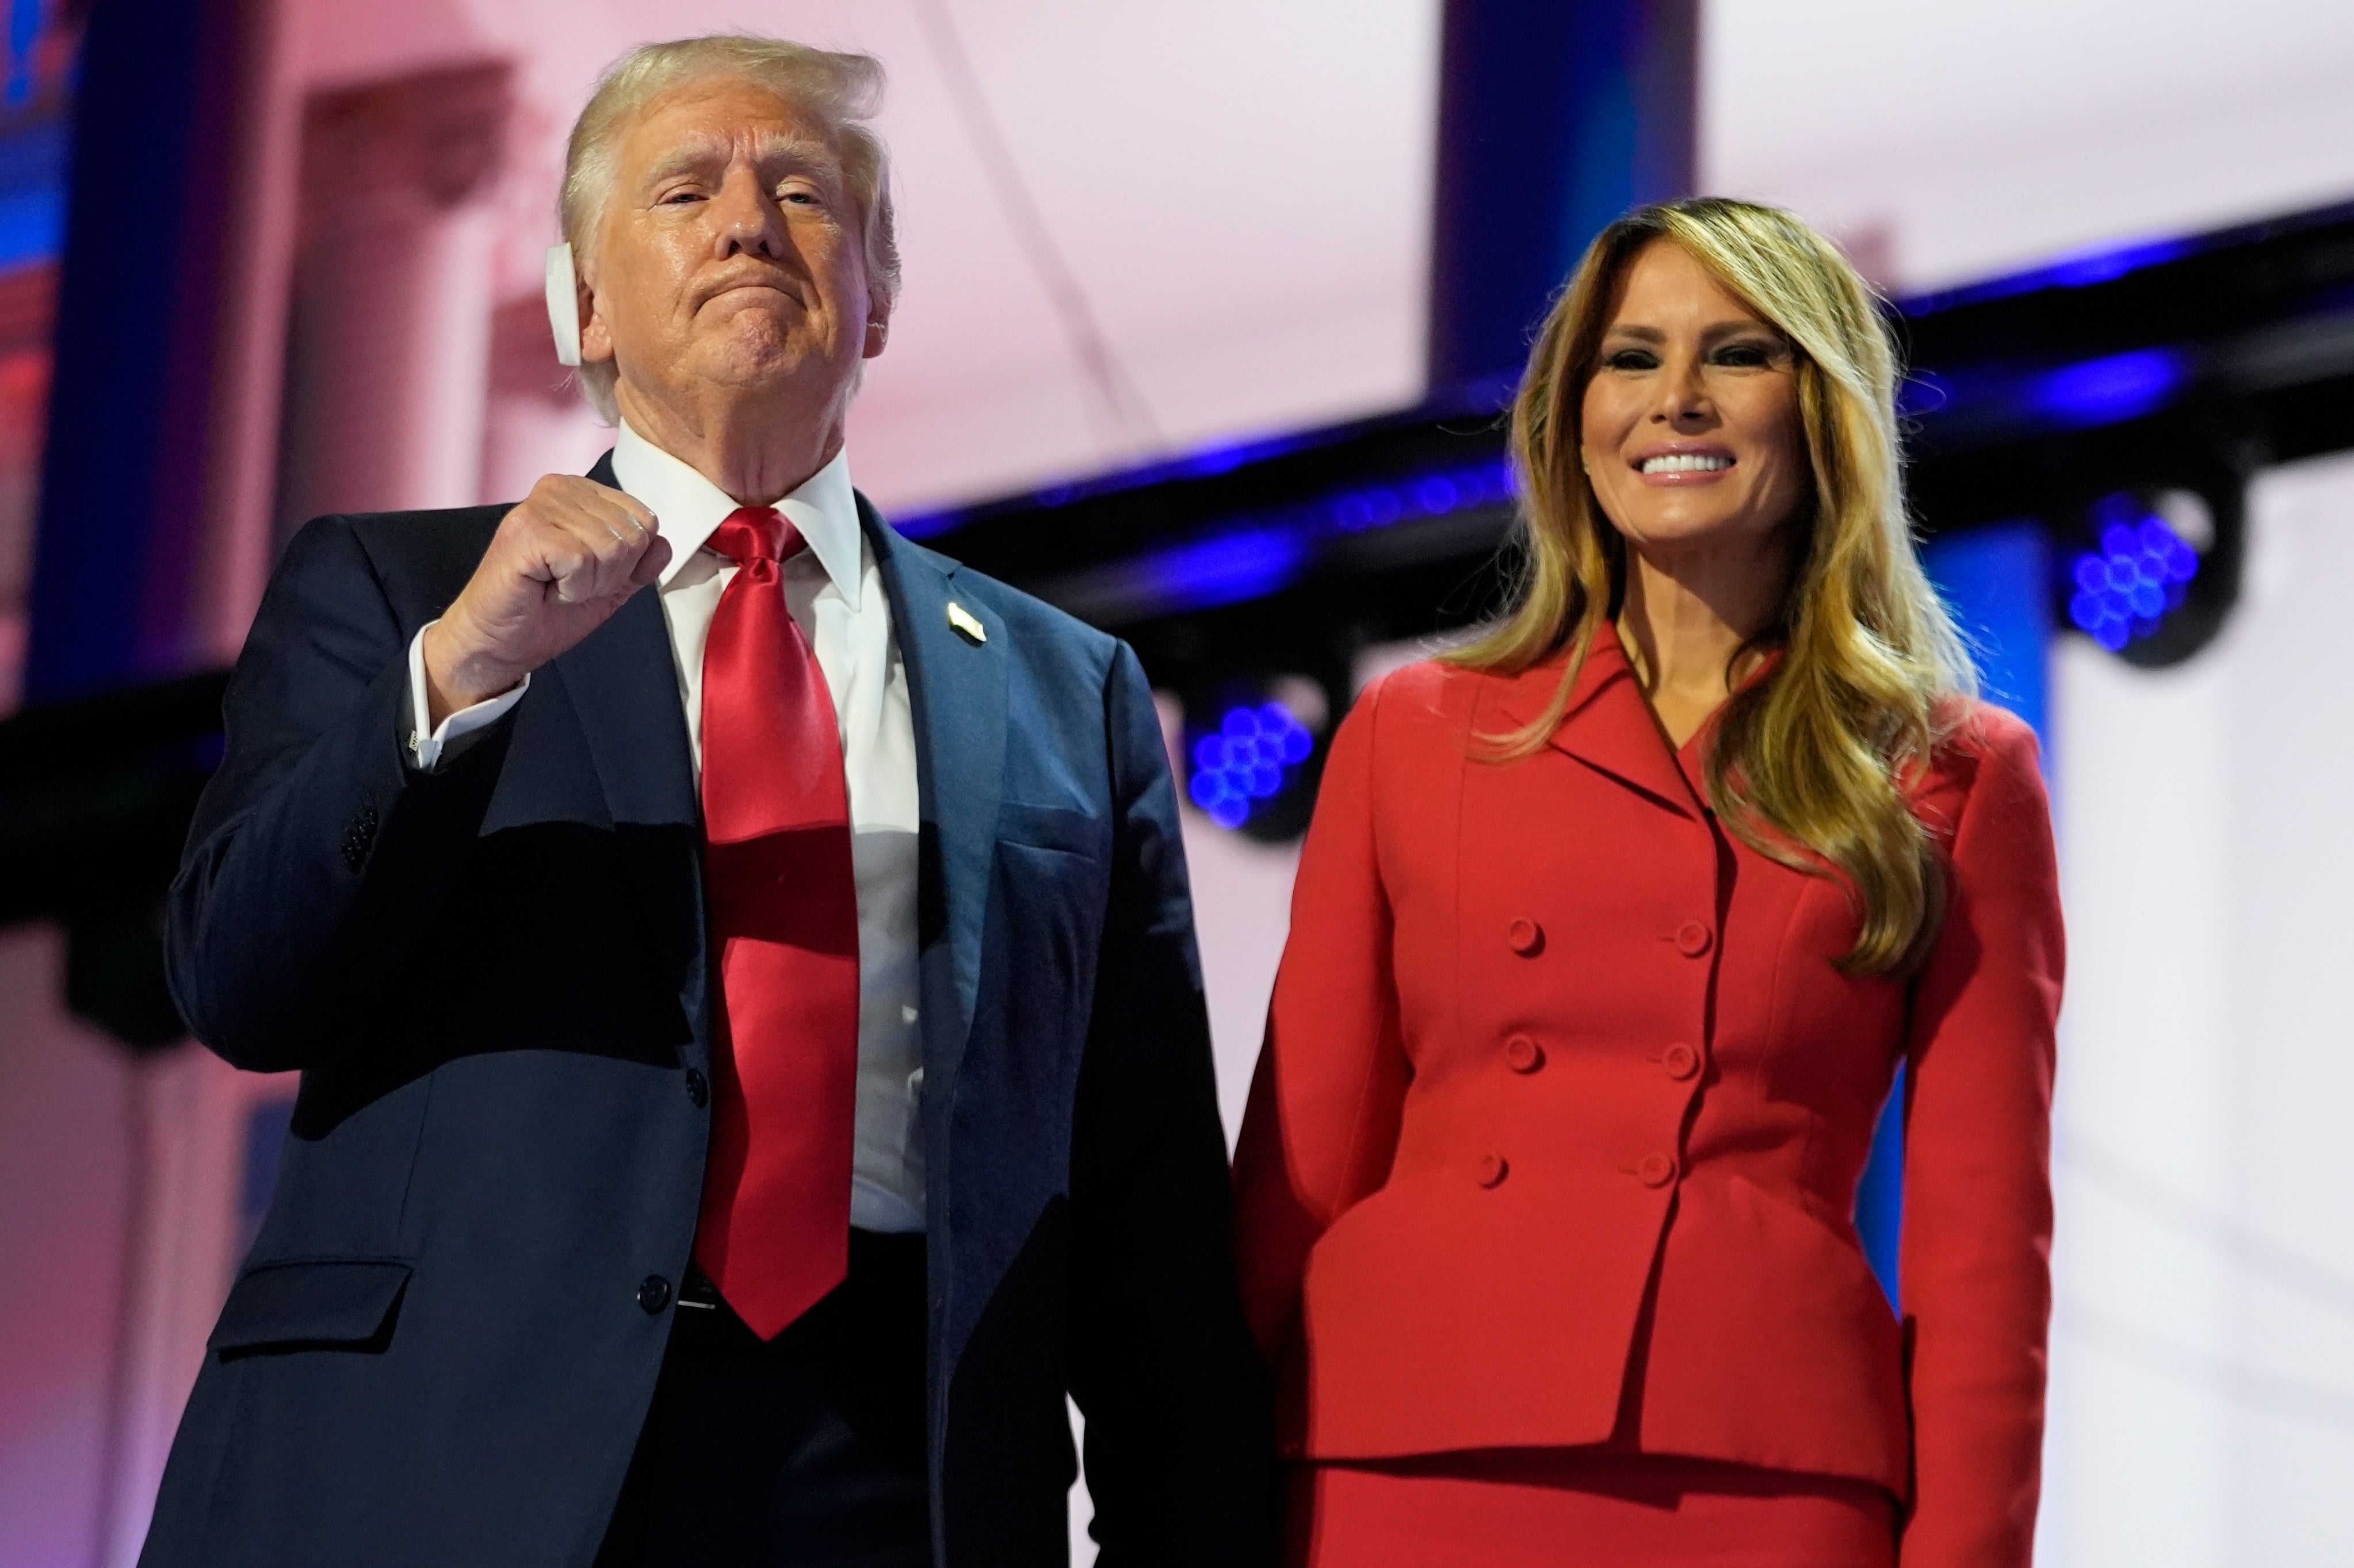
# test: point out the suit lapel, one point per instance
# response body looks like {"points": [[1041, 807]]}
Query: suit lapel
{"points": [[956, 690], [1609, 725], [623, 682]]}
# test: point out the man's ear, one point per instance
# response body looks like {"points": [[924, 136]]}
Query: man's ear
{"points": [[596, 336], [878, 332]]}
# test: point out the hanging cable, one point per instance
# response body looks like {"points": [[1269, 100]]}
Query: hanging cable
{"points": [[1117, 398]]}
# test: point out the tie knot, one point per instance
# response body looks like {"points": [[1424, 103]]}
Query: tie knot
{"points": [[757, 534]]}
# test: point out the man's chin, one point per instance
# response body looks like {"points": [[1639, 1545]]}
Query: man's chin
{"points": [[767, 369]]}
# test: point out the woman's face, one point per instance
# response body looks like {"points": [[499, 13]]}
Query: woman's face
{"points": [[1691, 431]]}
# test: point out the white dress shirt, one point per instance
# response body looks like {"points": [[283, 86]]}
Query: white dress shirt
{"points": [[835, 590]]}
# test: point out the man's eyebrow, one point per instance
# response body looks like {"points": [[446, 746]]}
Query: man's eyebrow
{"points": [[774, 152]]}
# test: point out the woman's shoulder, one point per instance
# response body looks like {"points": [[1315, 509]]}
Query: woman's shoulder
{"points": [[1441, 689], [1975, 734], [1985, 752], [1417, 696]]}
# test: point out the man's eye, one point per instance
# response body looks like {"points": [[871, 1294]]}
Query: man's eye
{"points": [[679, 198]]}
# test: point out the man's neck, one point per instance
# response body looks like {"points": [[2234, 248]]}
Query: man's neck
{"points": [[756, 451]]}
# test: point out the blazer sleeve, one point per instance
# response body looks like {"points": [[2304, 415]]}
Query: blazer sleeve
{"points": [[1975, 1253], [1321, 1129], [314, 842], [1179, 1455]]}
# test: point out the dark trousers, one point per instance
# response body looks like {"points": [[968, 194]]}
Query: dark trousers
{"points": [[806, 1451]]}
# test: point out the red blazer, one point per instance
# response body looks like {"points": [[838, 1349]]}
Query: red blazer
{"points": [[1544, 1026]]}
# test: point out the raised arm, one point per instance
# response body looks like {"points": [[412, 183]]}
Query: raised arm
{"points": [[315, 837], [1975, 1252], [1180, 1459], [317, 843]]}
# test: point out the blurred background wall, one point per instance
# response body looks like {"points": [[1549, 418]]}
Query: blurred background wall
{"points": [[1201, 300]]}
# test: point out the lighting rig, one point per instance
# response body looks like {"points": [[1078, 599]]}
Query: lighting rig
{"points": [[2122, 399]]}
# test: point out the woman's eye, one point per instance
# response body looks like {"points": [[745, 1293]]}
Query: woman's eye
{"points": [[1746, 355], [1633, 359]]}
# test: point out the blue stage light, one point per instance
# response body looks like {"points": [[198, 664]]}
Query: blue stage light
{"points": [[1247, 758], [2109, 390], [2142, 569]]}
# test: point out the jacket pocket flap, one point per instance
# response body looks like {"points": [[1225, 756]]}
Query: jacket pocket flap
{"points": [[1055, 828], [320, 1301]]}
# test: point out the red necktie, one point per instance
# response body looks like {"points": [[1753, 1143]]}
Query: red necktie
{"points": [[775, 1230]]}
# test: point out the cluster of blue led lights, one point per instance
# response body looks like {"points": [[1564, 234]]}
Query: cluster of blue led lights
{"points": [[1246, 760], [2142, 569]]}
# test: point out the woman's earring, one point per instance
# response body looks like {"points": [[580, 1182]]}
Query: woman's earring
{"points": [[564, 303]]}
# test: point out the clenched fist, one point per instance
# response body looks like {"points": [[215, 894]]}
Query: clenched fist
{"points": [[561, 563]]}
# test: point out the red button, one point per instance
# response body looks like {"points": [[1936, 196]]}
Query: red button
{"points": [[1525, 935], [1681, 1059], [1490, 1170], [1524, 1055], [1691, 938], [1655, 1170]]}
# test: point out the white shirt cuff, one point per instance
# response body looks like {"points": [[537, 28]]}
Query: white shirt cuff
{"points": [[427, 747]]}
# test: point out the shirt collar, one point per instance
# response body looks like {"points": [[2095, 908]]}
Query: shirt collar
{"points": [[691, 508]]}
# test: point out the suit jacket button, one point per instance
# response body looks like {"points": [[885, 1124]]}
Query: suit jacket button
{"points": [[697, 1089], [1526, 937], [653, 1294], [1691, 938], [1679, 1060], [1490, 1170], [1655, 1170], [1522, 1055]]}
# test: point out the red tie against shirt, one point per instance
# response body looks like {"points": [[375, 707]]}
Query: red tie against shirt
{"points": [[774, 1235]]}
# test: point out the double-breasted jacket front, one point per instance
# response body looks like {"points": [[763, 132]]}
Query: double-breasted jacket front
{"points": [[1564, 1101]]}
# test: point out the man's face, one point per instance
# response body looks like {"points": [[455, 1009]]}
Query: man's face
{"points": [[729, 254]]}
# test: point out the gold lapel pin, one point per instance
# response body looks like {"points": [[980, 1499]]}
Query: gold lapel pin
{"points": [[967, 623]]}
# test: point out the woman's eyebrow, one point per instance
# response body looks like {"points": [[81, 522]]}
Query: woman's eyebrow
{"points": [[1717, 331]]}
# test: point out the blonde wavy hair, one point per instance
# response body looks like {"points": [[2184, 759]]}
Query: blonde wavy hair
{"points": [[843, 91], [1809, 765]]}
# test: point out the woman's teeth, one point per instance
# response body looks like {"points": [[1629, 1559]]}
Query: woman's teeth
{"points": [[1686, 462]]}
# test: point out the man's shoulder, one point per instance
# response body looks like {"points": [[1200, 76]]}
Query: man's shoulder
{"points": [[1030, 622], [432, 551]]}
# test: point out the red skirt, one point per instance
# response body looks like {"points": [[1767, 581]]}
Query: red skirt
{"points": [[1581, 1508]]}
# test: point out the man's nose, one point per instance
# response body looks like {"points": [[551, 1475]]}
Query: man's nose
{"points": [[749, 221]]}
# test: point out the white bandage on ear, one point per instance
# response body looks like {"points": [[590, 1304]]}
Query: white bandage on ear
{"points": [[564, 303]]}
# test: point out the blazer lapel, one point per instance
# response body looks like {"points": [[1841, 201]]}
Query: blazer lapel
{"points": [[1609, 725], [957, 693], [623, 683]]}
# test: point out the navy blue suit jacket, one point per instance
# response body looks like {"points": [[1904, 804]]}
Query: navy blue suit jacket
{"points": [[495, 981]]}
